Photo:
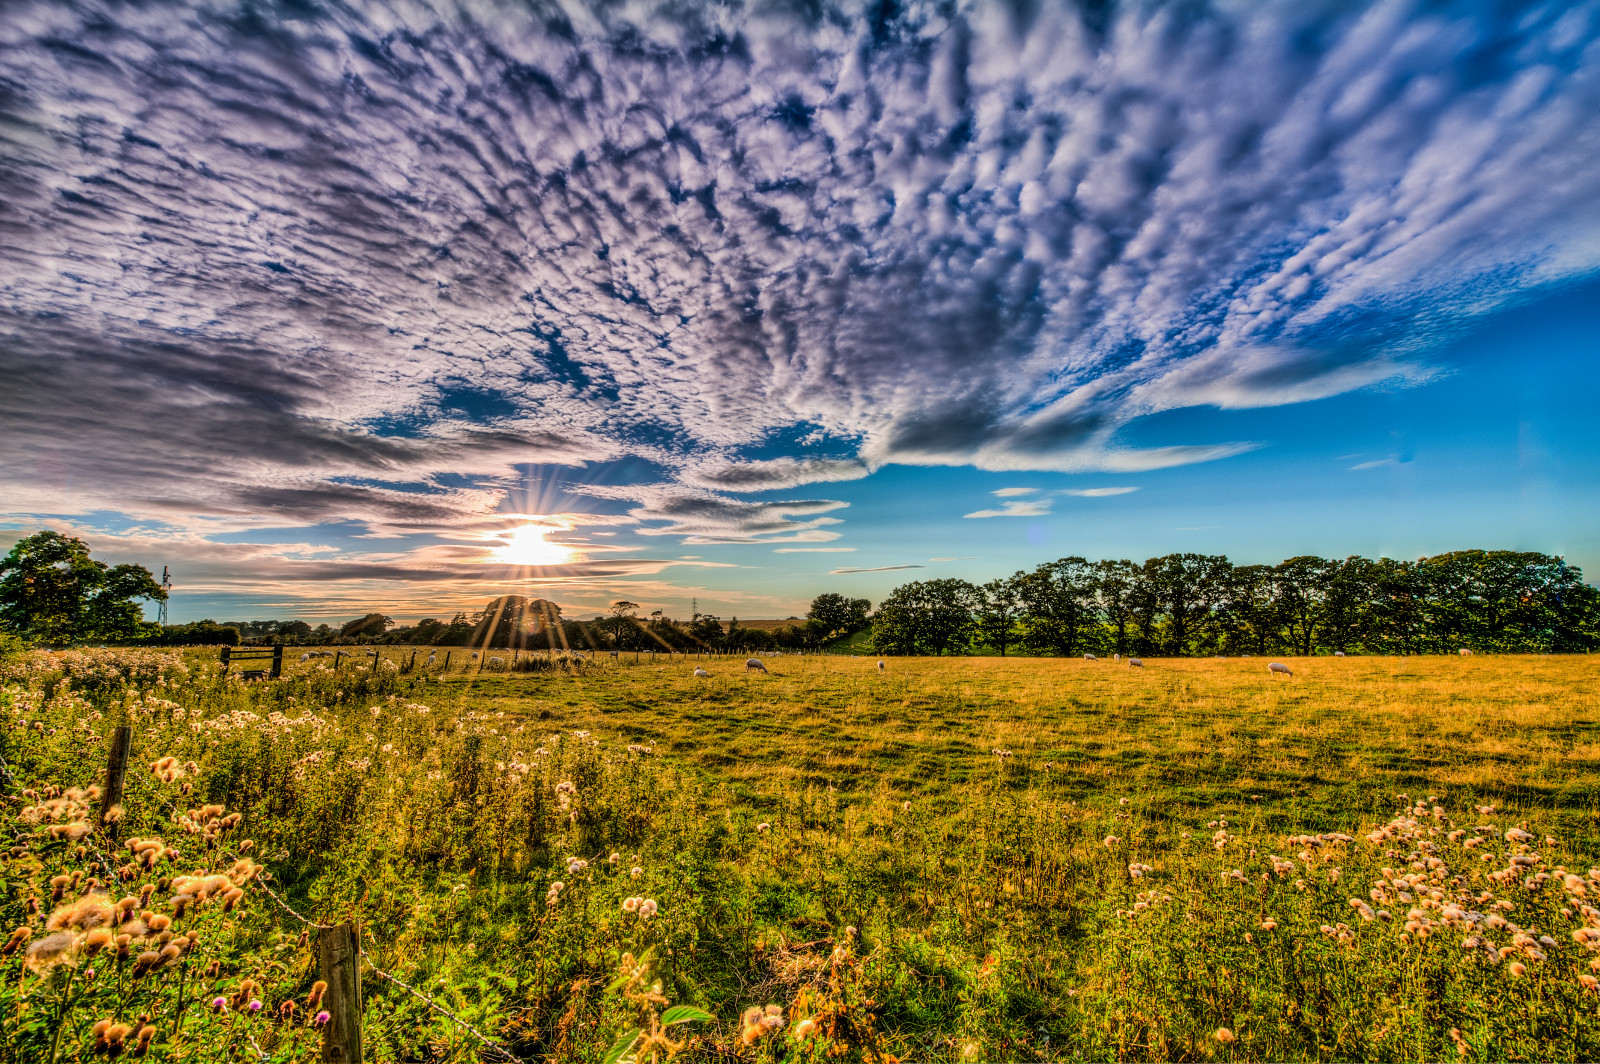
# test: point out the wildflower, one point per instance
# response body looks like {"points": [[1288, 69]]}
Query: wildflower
{"points": [[14, 943], [314, 998], [1269, 924], [1224, 1035], [631, 905], [49, 951], [219, 1003], [255, 1005], [146, 1033], [1111, 840], [806, 1028], [763, 827], [647, 908], [614, 858], [636, 872], [1589, 982], [321, 1018]]}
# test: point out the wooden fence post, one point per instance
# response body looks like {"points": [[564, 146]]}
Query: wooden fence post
{"points": [[376, 654], [227, 653], [447, 654], [339, 958], [116, 769], [277, 661]]}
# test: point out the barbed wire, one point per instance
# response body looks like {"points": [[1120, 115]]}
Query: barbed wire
{"points": [[427, 1000]]}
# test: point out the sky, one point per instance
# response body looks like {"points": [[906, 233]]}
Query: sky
{"points": [[346, 307]]}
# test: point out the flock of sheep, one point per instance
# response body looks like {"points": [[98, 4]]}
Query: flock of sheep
{"points": [[1274, 668]]}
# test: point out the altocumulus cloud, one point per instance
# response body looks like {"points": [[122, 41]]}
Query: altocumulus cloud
{"points": [[304, 260]]}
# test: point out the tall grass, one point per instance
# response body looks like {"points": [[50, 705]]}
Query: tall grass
{"points": [[968, 860]]}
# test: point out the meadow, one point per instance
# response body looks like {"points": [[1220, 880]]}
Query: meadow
{"points": [[952, 859]]}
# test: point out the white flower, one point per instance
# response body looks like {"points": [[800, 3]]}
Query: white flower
{"points": [[631, 905], [647, 908]]}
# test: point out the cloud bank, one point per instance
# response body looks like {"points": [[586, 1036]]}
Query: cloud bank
{"points": [[361, 261]]}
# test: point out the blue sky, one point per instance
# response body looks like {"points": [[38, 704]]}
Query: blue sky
{"points": [[319, 305]]}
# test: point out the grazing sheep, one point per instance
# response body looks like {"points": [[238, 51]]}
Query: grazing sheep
{"points": [[495, 663], [1338, 653], [1465, 652], [1090, 657], [1135, 663], [305, 657], [1116, 657], [880, 664], [701, 672], [754, 663], [1275, 667], [474, 655]]}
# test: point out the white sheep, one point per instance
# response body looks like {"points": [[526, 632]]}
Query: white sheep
{"points": [[1135, 663], [1275, 667], [1338, 653], [1465, 652], [305, 657], [754, 663], [880, 665], [701, 672], [474, 655], [495, 663], [1090, 657], [1116, 657]]}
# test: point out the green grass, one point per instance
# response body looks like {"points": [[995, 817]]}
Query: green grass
{"points": [[848, 846]]}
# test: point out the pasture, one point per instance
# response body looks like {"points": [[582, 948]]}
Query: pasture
{"points": [[953, 859]]}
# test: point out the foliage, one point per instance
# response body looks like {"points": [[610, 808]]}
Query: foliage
{"points": [[837, 615], [951, 861], [51, 591], [926, 617], [1179, 604]]}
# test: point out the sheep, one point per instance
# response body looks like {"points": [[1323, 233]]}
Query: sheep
{"points": [[474, 655], [754, 663], [1275, 667], [1135, 663], [305, 657], [880, 665], [1464, 652], [1116, 657], [495, 663], [1338, 653], [701, 672], [1090, 657]]}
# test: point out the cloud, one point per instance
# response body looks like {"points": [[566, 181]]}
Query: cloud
{"points": [[1019, 508], [320, 266], [1376, 463], [814, 550], [1096, 493], [874, 569], [1006, 493]]}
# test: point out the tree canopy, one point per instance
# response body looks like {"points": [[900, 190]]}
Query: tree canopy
{"points": [[51, 591], [1506, 601]]}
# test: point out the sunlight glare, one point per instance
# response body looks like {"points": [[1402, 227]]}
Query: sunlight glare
{"points": [[527, 546]]}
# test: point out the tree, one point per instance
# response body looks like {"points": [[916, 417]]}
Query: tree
{"points": [[1059, 605], [926, 617], [1185, 585], [515, 621], [1298, 587], [53, 592], [371, 626], [706, 630], [1114, 583], [839, 615], [996, 608], [621, 624], [1245, 612]]}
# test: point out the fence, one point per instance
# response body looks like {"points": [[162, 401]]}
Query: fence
{"points": [[339, 952]]}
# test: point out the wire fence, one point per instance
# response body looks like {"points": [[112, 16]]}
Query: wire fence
{"points": [[170, 807]]}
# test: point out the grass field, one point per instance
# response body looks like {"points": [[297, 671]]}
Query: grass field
{"points": [[960, 859]]}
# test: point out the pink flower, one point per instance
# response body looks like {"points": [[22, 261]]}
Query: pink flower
{"points": [[219, 1002], [255, 1006], [321, 1018]]}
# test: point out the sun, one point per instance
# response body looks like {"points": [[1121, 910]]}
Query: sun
{"points": [[527, 546]]}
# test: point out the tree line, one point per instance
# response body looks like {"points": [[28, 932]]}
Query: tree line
{"points": [[1202, 604]]}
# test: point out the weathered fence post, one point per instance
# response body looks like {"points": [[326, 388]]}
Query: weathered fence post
{"points": [[376, 654], [277, 661], [116, 769], [227, 653], [447, 654], [339, 958], [338, 659]]}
